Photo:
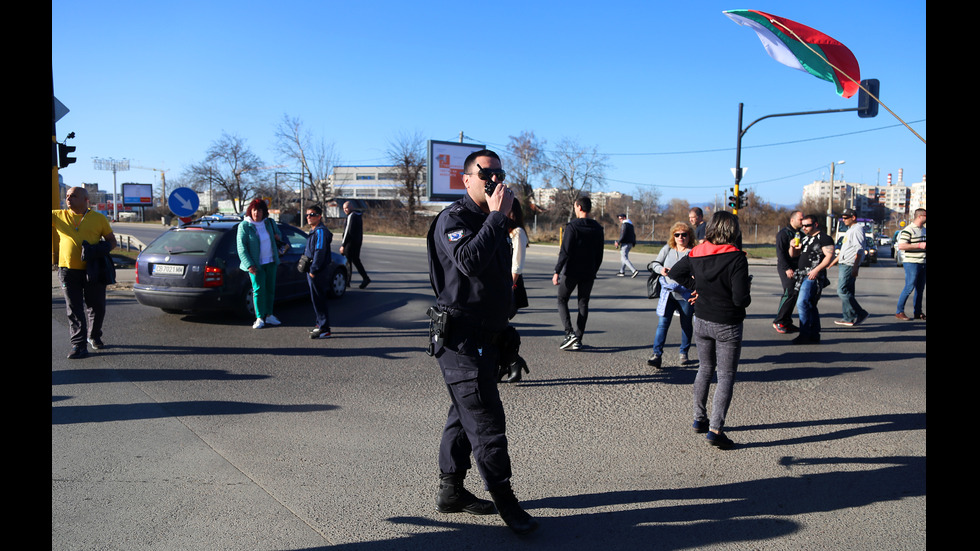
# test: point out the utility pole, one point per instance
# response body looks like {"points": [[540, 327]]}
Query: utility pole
{"points": [[114, 166]]}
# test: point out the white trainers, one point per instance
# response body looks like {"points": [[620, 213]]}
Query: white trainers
{"points": [[272, 320], [259, 324]]}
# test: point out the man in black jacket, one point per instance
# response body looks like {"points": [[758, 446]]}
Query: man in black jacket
{"points": [[627, 240], [350, 245], [786, 266], [469, 267], [579, 259]]}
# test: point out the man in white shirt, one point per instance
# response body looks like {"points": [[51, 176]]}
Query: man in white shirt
{"points": [[849, 262]]}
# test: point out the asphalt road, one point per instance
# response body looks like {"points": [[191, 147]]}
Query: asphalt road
{"points": [[198, 432]]}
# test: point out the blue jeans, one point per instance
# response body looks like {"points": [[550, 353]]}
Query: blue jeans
{"points": [[687, 327], [850, 309], [806, 307], [915, 280], [719, 348]]}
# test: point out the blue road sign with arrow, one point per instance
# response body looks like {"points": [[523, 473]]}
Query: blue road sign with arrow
{"points": [[183, 201]]}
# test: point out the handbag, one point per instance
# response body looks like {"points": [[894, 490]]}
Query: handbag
{"points": [[653, 286], [304, 264], [520, 293]]}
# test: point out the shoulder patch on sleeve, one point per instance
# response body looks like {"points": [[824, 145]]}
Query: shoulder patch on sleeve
{"points": [[455, 235]]}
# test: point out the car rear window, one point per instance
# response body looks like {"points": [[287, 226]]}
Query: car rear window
{"points": [[184, 242]]}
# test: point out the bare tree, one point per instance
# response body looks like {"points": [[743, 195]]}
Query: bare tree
{"points": [[407, 154], [315, 156], [526, 156], [575, 170], [231, 166]]}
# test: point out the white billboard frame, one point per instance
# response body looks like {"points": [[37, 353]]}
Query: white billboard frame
{"points": [[444, 180]]}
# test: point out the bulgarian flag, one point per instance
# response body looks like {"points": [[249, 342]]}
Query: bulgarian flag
{"points": [[803, 48]]}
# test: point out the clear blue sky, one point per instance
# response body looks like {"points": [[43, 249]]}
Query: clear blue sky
{"points": [[655, 88]]}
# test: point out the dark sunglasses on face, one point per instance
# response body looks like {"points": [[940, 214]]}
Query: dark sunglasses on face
{"points": [[807, 225], [680, 235], [311, 214], [486, 174]]}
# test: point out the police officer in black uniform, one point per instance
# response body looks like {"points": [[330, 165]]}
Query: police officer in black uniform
{"points": [[469, 266]]}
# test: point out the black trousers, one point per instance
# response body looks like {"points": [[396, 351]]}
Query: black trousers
{"points": [[475, 423], [353, 255], [85, 304], [565, 287], [784, 314]]}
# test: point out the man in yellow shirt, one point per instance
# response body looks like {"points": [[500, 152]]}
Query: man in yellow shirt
{"points": [[84, 296]]}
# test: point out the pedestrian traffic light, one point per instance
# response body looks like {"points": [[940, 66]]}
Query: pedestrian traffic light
{"points": [[868, 98], [63, 151]]}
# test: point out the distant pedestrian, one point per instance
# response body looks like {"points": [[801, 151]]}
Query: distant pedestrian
{"points": [[518, 246], [786, 266], [626, 241], [350, 245], [849, 261], [718, 273], [696, 217], [579, 258], [912, 244], [319, 275], [84, 241], [673, 296], [816, 252]]}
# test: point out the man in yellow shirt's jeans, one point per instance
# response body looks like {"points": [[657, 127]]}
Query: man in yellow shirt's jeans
{"points": [[84, 299]]}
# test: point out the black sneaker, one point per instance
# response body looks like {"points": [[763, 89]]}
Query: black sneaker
{"points": [[78, 351], [654, 361], [569, 342], [318, 333], [719, 440], [700, 427]]}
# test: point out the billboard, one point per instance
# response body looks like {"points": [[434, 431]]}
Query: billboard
{"points": [[445, 174], [137, 195]]}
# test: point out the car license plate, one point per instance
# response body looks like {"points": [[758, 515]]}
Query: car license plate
{"points": [[168, 269]]}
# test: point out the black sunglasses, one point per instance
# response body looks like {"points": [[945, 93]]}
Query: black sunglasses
{"points": [[680, 235], [486, 174]]}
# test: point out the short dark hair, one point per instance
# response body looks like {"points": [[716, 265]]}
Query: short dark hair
{"points": [[723, 229], [585, 203], [815, 218], [316, 209], [258, 204], [471, 158]]}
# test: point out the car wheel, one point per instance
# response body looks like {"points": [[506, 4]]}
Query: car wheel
{"points": [[338, 283]]}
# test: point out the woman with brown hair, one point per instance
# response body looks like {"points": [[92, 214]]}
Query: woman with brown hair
{"points": [[718, 273]]}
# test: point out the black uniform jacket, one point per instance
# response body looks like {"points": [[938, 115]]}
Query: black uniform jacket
{"points": [[469, 265]]}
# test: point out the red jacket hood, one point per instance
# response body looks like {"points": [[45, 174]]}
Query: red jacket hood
{"points": [[709, 249]]}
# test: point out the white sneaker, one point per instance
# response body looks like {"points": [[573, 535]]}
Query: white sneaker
{"points": [[259, 324], [272, 320]]}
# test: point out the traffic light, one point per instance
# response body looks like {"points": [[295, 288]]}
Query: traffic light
{"points": [[868, 98], [733, 199], [63, 151]]}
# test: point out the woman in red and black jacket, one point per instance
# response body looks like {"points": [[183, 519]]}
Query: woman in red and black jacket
{"points": [[718, 272]]}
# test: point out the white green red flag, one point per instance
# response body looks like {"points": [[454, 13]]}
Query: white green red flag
{"points": [[821, 55]]}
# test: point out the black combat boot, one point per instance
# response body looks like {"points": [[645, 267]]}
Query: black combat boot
{"points": [[454, 498], [510, 510]]}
